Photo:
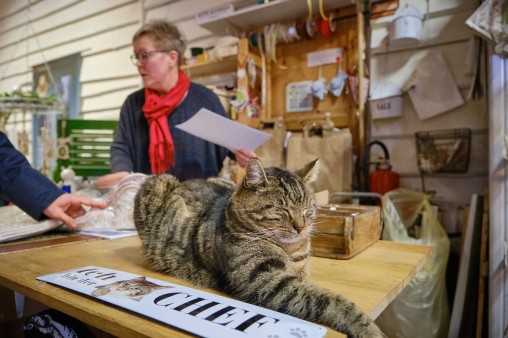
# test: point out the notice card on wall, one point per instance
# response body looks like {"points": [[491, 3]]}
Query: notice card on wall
{"points": [[299, 97], [195, 311]]}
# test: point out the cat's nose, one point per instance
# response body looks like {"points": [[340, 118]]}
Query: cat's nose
{"points": [[298, 227]]}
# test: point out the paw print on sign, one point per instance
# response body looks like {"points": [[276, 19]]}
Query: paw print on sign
{"points": [[298, 333]]}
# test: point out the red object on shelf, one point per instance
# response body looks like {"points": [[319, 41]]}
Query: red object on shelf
{"points": [[383, 179]]}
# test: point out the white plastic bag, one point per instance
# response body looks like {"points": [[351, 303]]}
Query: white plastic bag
{"points": [[422, 309], [119, 212]]}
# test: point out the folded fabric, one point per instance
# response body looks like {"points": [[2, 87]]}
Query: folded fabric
{"points": [[16, 224], [490, 21], [336, 85], [318, 88]]}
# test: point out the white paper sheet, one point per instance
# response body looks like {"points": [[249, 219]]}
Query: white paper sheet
{"points": [[223, 131], [109, 233]]}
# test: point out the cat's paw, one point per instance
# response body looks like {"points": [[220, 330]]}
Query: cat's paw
{"points": [[298, 333]]}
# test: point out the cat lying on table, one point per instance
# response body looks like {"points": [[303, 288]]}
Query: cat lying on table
{"points": [[250, 241]]}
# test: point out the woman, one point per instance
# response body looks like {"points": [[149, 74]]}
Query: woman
{"points": [[146, 140]]}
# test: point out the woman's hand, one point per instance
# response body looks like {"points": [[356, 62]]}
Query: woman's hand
{"points": [[243, 156], [107, 181]]}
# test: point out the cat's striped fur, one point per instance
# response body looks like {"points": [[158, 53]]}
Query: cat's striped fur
{"points": [[250, 241]]}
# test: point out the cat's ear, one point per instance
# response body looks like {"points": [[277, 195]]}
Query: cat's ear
{"points": [[254, 173], [310, 171]]}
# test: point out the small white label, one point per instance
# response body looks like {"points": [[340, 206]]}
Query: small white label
{"points": [[323, 57], [214, 13]]}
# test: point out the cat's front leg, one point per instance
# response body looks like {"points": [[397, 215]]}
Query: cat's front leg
{"points": [[345, 316]]}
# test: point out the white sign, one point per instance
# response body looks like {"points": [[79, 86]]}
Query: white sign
{"points": [[324, 57], [201, 313], [214, 13], [223, 131], [298, 97]]}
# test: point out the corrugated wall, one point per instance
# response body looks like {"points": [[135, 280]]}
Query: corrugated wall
{"points": [[101, 31], [48, 30]]}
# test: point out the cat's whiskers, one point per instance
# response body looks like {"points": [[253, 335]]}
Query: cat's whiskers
{"points": [[253, 236], [314, 232]]}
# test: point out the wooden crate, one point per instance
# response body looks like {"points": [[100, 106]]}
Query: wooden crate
{"points": [[342, 231]]}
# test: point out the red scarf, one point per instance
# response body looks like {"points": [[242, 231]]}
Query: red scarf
{"points": [[157, 109]]}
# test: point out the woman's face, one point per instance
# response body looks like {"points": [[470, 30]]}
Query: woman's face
{"points": [[157, 72]]}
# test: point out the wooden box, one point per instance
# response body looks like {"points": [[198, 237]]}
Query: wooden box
{"points": [[343, 231]]}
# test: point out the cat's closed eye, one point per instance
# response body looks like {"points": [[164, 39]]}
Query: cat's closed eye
{"points": [[308, 212]]}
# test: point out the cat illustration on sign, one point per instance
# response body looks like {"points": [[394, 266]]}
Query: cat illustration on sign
{"points": [[134, 289]]}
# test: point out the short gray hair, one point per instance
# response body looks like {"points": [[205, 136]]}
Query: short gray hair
{"points": [[166, 36]]}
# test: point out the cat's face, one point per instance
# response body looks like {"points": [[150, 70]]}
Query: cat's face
{"points": [[275, 203], [134, 288]]}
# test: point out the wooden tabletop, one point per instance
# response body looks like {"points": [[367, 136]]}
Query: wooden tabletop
{"points": [[372, 280]]}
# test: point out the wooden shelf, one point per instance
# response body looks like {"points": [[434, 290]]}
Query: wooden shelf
{"points": [[227, 64], [258, 15]]}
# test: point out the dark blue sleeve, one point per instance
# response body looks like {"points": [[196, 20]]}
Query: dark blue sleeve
{"points": [[23, 185]]}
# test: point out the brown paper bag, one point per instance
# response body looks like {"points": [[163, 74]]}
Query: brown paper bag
{"points": [[271, 152], [335, 154]]}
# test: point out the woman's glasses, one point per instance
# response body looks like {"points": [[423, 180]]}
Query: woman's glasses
{"points": [[144, 56]]}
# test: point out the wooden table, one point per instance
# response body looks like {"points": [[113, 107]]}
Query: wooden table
{"points": [[45, 240], [372, 279]]}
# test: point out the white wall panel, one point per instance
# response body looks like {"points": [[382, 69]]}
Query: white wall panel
{"points": [[98, 88], [444, 30], [81, 19], [100, 30], [66, 37], [111, 100], [17, 16], [114, 64]]}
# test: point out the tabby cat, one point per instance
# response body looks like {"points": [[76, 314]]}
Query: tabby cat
{"points": [[251, 241]]}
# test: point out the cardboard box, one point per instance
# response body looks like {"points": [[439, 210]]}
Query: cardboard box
{"points": [[343, 231]]}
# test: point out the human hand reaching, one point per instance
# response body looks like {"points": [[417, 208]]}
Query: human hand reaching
{"points": [[67, 207]]}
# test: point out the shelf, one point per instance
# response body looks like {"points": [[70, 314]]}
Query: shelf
{"points": [[35, 106], [227, 64], [257, 15]]}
